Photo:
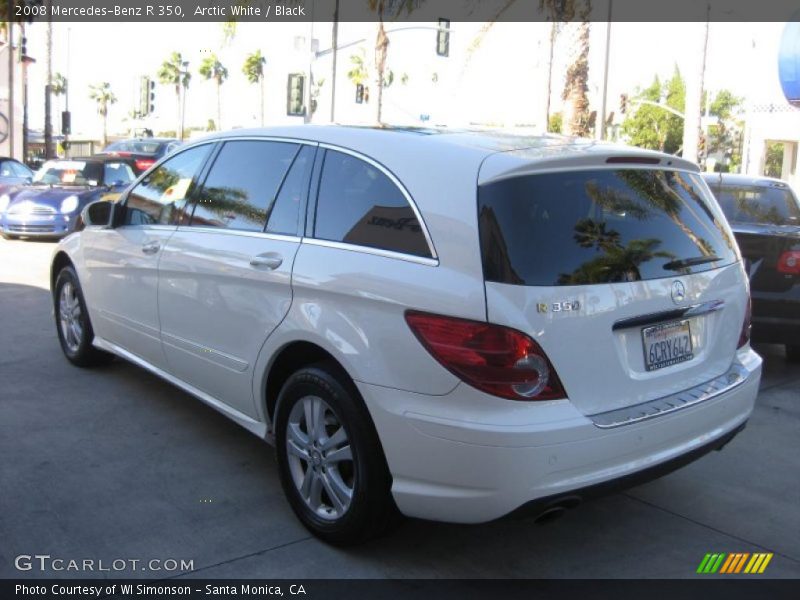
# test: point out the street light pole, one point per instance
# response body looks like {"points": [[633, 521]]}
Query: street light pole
{"points": [[601, 130]]}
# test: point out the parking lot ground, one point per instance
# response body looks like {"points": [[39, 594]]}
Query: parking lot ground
{"points": [[115, 463]]}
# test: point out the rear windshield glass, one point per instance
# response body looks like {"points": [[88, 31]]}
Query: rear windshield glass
{"points": [[134, 147], [601, 226], [759, 204]]}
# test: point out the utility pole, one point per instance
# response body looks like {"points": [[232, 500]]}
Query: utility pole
{"points": [[48, 118], [66, 134], [10, 46], [335, 42], [601, 129], [694, 98]]}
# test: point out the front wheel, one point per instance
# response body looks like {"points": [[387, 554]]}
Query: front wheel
{"points": [[72, 322], [330, 460], [792, 353]]}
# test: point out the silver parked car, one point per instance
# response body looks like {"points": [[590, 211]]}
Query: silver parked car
{"points": [[451, 326]]}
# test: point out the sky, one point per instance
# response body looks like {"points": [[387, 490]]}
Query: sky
{"points": [[503, 78]]}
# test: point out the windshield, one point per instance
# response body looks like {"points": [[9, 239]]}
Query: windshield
{"points": [[600, 226], [759, 204], [69, 172]]}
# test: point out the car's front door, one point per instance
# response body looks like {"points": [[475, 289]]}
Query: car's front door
{"points": [[122, 262], [225, 277]]}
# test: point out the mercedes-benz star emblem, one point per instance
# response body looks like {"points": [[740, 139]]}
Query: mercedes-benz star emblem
{"points": [[678, 292]]}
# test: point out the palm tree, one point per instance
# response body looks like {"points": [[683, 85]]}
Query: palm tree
{"points": [[102, 94], [382, 47], [211, 68], [253, 70], [58, 88], [576, 108], [175, 71]]}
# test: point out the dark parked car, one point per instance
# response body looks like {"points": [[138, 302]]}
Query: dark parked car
{"points": [[13, 172], [51, 206], [764, 214], [145, 152]]}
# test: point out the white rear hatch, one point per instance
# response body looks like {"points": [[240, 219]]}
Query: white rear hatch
{"points": [[620, 266]]}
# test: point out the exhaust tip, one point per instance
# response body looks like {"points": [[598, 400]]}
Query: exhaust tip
{"points": [[556, 510]]}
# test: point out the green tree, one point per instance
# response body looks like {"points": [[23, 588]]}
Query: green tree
{"points": [[58, 89], [253, 70], [104, 97], [652, 127], [725, 135], [210, 69], [175, 72], [773, 164]]}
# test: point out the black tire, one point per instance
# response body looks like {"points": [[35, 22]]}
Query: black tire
{"points": [[371, 510], [792, 353], [80, 353]]}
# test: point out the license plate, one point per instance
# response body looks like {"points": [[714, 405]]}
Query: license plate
{"points": [[667, 344]]}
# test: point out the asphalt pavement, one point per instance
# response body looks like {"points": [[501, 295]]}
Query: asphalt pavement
{"points": [[114, 463]]}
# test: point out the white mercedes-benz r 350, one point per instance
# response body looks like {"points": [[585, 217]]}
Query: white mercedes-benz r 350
{"points": [[447, 325]]}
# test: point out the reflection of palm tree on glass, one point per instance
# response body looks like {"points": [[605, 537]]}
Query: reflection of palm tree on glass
{"points": [[228, 204], [619, 262]]}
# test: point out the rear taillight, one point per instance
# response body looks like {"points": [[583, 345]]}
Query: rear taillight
{"points": [[744, 336], [142, 164], [495, 359], [789, 262]]}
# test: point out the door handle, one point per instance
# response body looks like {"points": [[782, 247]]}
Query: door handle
{"points": [[270, 260], [151, 247]]}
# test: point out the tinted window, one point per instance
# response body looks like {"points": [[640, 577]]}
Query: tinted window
{"points": [[284, 213], [242, 184], [21, 170], [161, 196], [7, 169], [117, 174], [772, 205], [358, 204], [598, 227]]}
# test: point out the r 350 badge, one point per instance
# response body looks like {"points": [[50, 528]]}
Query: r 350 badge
{"points": [[568, 306]]}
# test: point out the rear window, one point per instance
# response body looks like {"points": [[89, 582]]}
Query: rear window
{"points": [[600, 226], [759, 204]]}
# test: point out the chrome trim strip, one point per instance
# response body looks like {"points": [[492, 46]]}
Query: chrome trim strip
{"points": [[280, 237], [428, 262], [216, 357], [694, 310], [735, 377], [399, 185]]}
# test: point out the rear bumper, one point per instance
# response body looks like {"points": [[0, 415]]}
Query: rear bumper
{"points": [[466, 457]]}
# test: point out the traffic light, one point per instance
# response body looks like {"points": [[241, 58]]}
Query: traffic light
{"points": [[623, 103], [66, 122], [443, 38], [359, 93], [147, 96]]}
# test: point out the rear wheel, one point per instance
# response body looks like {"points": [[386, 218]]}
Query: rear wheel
{"points": [[792, 353], [331, 463], [72, 322]]}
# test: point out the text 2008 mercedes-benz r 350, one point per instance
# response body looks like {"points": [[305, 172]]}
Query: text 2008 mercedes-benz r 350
{"points": [[447, 325]]}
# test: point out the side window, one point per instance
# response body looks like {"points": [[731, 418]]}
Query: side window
{"points": [[21, 170], [242, 184], [359, 204], [285, 211], [117, 174], [6, 169], [161, 196]]}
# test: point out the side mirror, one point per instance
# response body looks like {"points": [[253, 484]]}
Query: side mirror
{"points": [[98, 214]]}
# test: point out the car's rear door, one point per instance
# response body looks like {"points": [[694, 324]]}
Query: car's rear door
{"points": [[122, 262], [225, 277], [627, 275]]}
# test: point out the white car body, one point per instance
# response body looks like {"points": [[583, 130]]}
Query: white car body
{"points": [[196, 312]]}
